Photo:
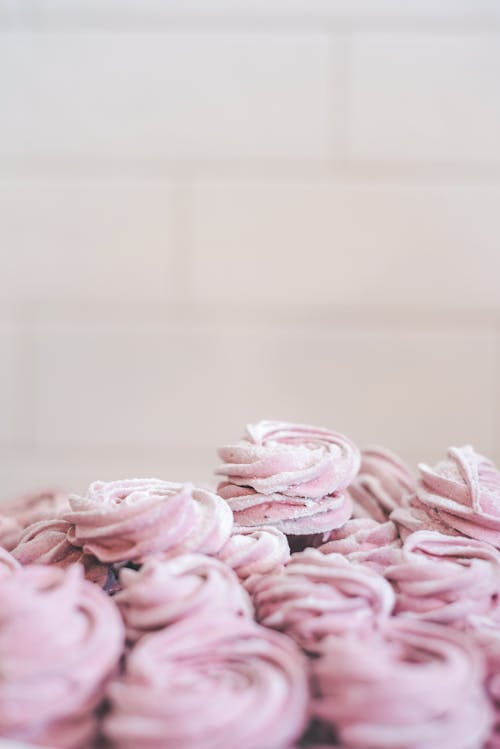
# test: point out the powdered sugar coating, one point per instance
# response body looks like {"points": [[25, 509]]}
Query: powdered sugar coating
{"points": [[460, 495], [289, 476], [137, 518]]}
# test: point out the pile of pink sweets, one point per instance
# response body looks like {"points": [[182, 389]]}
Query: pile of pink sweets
{"points": [[154, 615]]}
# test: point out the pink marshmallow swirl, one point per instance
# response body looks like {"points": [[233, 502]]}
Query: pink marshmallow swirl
{"points": [[365, 541], [60, 639], [7, 563], [137, 518], [41, 505], [317, 595], [46, 542], [381, 484], [462, 494], [289, 476], [214, 683], [252, 552], [411, 685], [164, 592], [446, 579]]}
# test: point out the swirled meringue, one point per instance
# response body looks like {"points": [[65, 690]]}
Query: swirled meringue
{"points": [[60, 639], [255, 551], [460, 494], [164, 592], [381, 484], [46, 542], [365, 541], [317, 595], [410, 684], [216, 683], [413, 516], [136, 518], [40, 505], [446, 579], [289, 476]]}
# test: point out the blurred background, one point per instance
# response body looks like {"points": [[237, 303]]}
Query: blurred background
{"points": [[216, 211]]}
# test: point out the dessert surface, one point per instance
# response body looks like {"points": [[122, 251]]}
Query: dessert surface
{"points": [[320, 595]]}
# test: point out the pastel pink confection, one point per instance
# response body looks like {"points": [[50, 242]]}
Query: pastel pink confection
{"points": [[381, 484], [252, 552], [212, 683], [410, 685], [486, 633], [365, 541], [7, 563], [289, 476], [446, 579], [463, 494], [35, 506], [413, 516], [60, 639], [317, 595], [10, 531], [164, 592], [46, 542], [137, 518]]}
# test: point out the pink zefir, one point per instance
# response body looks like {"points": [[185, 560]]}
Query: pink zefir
{"points": [[446, 579], [460, 495], [366, 541], [217, 682], [253, 552], [289, 476], [46, 542], [408, 684], [60, 639], [38, 505], [163, 592], [134, 519], [381, 485], [318, 595]]}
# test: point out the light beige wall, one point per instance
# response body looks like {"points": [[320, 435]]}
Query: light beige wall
{"points": [[214, 211]]}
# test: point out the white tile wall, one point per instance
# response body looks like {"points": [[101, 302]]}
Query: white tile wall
{"points": [[217, 211], [164, 95], [348, 244], [87, 241], [13, 385], [200, 384], [426, 97]]}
